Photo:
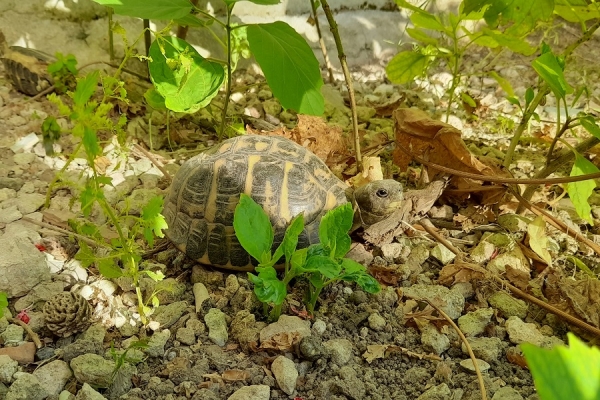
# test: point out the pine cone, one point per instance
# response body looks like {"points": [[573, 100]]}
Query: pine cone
{"points": [[67, 313]]}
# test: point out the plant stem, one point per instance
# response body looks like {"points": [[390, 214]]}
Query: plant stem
{"points": [[111, 41], [314, 7], [182, 30], [561, 131], [228, 85], [58, 175], [342, 56], [523, 124]]}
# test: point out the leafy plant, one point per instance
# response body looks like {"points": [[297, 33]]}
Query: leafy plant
{"points": [[319, 264], [64, 72], [187, 82], [120, 256], [509, 27], [565, 372], [121, 357]]}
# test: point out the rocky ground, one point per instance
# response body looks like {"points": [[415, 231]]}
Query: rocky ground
{"points": [[209, 338]]}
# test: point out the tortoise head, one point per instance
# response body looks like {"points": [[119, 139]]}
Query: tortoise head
{"points": [[376, 201]]}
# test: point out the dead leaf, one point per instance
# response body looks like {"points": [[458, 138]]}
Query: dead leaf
{"points": [[233, 375], [440, 143], [514, 357], [584, 297], [517, 277], [375, 351], [460, 272], [284, 341], [387, 109], [371, 172], [538, 239]]}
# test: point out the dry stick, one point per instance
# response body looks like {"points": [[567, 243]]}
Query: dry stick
{"points": [[30, 332], [314, 7], [342, 56], [569, 318], [182, 30], [63, 231], [555, 222], [154, 161], [562, 158], [466, 343]]}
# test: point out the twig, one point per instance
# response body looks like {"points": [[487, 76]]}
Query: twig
{"points": [[228, 82], [30, 332], [555, 222], [63, 231], [154, 161], [342, 56], [514, 290], [466, 343], [43, 92], [314, 7], [430, 228]]}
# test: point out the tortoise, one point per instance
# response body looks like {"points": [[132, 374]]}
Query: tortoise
{"points": [[283, 177], [26, 68]]}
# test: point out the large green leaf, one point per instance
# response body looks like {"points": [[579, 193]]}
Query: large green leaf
{"points": [[564, 372], [150, 9], [86, 87], [333, 230], [289, 65], [183, 77], [267, 287], [253, 229], [579, 192], [549, 69], [589, 123], [406, 66]]}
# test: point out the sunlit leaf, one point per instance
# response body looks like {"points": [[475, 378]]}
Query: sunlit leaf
{"points": [[150, 9], [538, 239], [579, 192], [406, 66]]}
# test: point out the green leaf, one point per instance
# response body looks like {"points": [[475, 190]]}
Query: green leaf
{"points": [[154, 99], [185, 79], [267, 287], [565, 372], [3, 303], [86, 87], [87, 197], [421, 36], [150, 9], [108, 268], [504, 84], [90, 143], [589, 123], [289, 65], [406, 66], [579, 192], [253, 229], [154, 222], [290, 239], [156, 276], [352, 267], [333, 230], [323, 265], [367, 283], [538, 239], [50, 133], [529, 95], [355, 272], [259, 2], [194, 21], [427, 21], [298, 260], [85, 255], [513, 43], [576, 10], [549, 69], [582, 266], [467, 99], [520, 17]]}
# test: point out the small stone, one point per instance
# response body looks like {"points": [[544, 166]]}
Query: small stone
{"points": [[231, 286], [443, 254], [519, 332], [391, 251], [8, 367], [285, 373], [13, 334], [441, 391], [341, 351], [169, 314], [508, 305], [486, 348], [319, 327], [507, 393], [359, 254], [93, 369], [433, 340], [26, 386], [483, 252], [156, 344], [54, 376], [376, 322], [444, 212], [186, 336], [513, 223], [450, 302], [217, 326], [10, 214], [474, 323], [311, 348], [286, 323], [254, 392], [87, 393], [468, 365]]}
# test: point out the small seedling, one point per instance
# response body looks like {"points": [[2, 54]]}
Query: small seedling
{"points": [[320, 264]]}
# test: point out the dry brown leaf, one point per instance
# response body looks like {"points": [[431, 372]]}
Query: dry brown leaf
{"points": [[387, 275], [283, 341], [584, 297], [440, 143], [517, 277], [375, 351], [387, 109], [371, 172], [460, 272], [233, 375], [515, 357]]}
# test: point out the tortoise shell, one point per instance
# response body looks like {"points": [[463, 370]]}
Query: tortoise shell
{"points": [[26, 68], [283, 177]]}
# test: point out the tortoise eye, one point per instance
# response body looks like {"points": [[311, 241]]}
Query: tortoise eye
{"points": [[381, 193]]}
